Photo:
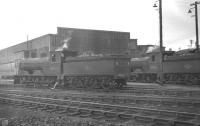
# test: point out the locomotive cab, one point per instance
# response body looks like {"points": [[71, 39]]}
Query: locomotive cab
{"points": [[122, 69]]}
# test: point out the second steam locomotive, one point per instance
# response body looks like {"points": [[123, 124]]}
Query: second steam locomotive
{"points": [[180, 67]]}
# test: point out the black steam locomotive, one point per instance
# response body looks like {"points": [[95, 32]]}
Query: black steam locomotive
{"points": [[75, 58]]}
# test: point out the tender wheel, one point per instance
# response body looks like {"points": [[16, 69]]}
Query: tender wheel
{"points": [[105, 83]]}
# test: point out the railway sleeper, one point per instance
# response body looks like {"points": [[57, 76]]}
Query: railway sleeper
{"points": [[141, 102], [158, 92], [184, 123], [107, 108], [135, 111], [6, 101], [124, 116], [144, 119], [196, 105], [156, 103], [33, 107], [155, 120], [194, 94], [172, 104], [119, 109], [111, 115], [181, 94], [170, 93], [196, 119], [150, 112], [163, 122], [85, 112], [185, 117], [127, 101], [72, 111], [26, 104], [51, 110], [97, 114], [96, 106], [73, 103], [62, 111], [167, 115], [186, 104], [42, 107], [18, 103]]}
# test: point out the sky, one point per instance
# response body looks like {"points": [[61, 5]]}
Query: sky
{"points": [[34, 18]]}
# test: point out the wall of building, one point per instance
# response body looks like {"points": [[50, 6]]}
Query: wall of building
{"points": [[12, 53], [38, 47]]}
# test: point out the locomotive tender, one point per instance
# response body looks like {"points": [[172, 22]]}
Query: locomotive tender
{"points": [[77, 57]]}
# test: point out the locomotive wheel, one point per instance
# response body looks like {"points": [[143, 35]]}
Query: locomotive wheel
{"points": [[109, 84], [74, 83], [91, 83], [80, 83], [67, 81], [120, 83], [97, 83], [85, 81], [105, 85]]}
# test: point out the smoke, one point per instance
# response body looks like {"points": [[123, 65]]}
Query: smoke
{"points": [[65, 41], [153, 49]]}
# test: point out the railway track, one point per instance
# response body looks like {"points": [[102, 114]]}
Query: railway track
{"points": [[156, 102], [103, 111], [162, 91], [137, 90]]}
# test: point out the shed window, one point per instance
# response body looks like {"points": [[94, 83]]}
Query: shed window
{"points": [[33, 55], [43, 55]]}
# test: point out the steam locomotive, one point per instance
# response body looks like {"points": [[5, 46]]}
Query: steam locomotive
{"points": [[182, 67], [74, 58], [75, 72]]}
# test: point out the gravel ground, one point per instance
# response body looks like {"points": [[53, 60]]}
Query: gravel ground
{"points": [[17, 116]]}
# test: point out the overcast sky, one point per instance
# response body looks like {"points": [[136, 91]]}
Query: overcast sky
{"points": [[34, 18]]}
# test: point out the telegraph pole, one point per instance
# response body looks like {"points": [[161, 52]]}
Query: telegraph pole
{"points": [[161, 40], [196, 22], [161, 29]]}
